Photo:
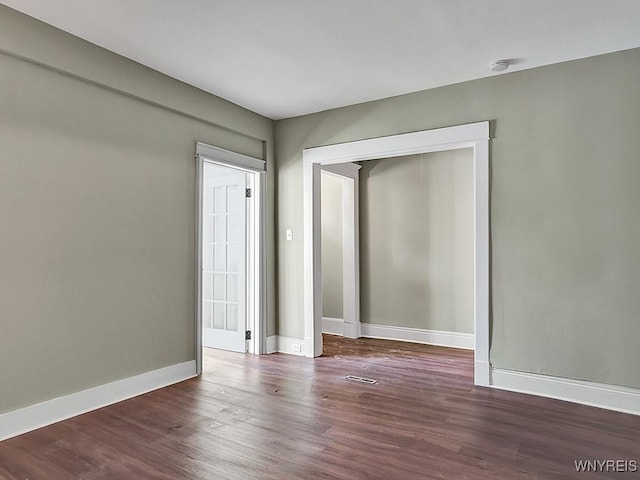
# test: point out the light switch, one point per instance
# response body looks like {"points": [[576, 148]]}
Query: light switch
{"points": [[289, 234]]}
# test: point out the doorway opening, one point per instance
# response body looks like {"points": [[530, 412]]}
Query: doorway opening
{"points": [[340, 258], [415, 250], [474, 136], [230, 308]]}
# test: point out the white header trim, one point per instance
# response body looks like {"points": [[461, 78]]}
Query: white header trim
{"points": [[229, 158], [449, 138]]}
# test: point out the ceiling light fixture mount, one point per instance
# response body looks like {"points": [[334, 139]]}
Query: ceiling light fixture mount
{"points": [[499, 65]]}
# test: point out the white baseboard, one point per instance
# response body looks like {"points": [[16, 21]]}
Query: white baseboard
{"points": [[418, 335], [333, 326], [272, 344], [46, 413], [352, 330], [292, 346], [337, 326], [611, 397]]}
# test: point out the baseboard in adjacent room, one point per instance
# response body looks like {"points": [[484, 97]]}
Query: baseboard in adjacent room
{"points": [[611, 397], [46, 413], [272, 344], [418, 335], [333, 326]]}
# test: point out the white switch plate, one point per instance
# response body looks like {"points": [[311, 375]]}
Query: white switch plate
{"points": [[289, 234]]}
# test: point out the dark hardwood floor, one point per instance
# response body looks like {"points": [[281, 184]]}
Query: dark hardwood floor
{"points": [[285, 417]]}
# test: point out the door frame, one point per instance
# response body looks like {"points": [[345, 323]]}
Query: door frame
{"points": [[475, 136], [256, 291], [350, 179]]}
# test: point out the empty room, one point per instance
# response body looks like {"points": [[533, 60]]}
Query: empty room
{"points": [[341, 240]]}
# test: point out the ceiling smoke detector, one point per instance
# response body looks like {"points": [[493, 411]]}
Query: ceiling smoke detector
{"points": [[499, 65]]}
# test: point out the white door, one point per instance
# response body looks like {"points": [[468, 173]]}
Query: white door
{"points": [[224, 250]]}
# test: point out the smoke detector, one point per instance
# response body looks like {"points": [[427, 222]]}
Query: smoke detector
{"points": [[499, 65]]}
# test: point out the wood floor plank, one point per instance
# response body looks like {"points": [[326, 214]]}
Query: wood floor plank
{"points": [[284, 417]]}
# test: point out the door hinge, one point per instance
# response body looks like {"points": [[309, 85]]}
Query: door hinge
{"points": [[247, 193], [247, 335]]}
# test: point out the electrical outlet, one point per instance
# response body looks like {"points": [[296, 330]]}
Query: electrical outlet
{"points": [[289, 233], [296, 347]]}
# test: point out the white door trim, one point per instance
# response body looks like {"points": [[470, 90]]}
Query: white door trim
{"points": [[475, 136], [348, 174], [227, 158]]}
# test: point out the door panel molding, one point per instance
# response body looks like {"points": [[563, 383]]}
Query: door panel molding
{"points": [[224, 252]]}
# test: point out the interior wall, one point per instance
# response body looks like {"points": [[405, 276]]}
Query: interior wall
{"points": [[97, 208], [416, 241], [331, 245], [564, 197]]}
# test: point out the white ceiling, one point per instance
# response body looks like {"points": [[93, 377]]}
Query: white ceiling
{"points": [[283, 58]]}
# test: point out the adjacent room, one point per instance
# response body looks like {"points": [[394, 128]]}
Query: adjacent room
{"points": [[415, 249], [338, 240]]}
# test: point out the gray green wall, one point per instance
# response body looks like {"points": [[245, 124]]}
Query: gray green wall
{"points": [[331, 245], [97, 211], [416, 241], [565, 227]]}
